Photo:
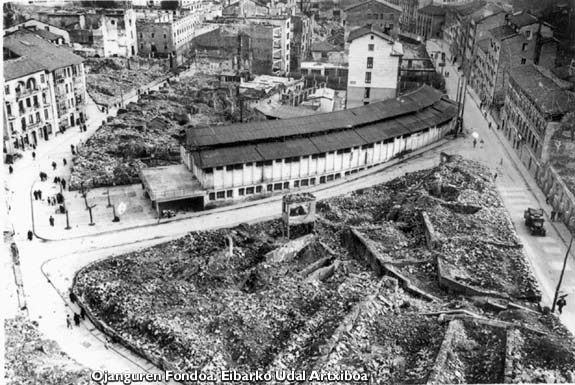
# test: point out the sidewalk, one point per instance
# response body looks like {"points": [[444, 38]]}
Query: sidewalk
{"points": [[141, 214]]}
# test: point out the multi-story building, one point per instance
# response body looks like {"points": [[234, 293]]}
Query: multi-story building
{"points": [[430, 20], [301, 41], [533, 28], [245, 8], [506, 49], [37, 25], [535, 103], [409, 9], [374, 59], [456, 27], [170, 34], [44, 89], [97, 32], [380, 13]]}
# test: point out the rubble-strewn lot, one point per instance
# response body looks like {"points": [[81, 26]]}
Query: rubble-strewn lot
{"points": [[108, 78], [30, 359], [324, 309], [562, 158], [150, 132]]}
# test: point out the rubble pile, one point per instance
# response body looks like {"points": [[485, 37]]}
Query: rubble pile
{"points": [[110, 77], [150, 133], [196, 304], [30, 359]]}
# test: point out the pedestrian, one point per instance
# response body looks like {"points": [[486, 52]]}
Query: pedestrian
{"points": [[55, 180], [501, 162], [10, 169], [35, 195], [482, 142], [72, 149], [54, 165], [63, 184], [474, 143], [68, 322], [84, 127], [559, 216], [490, 125], [495, 177], [547, 200], [60, 198], [40, 194], [51, 219], [34, 155], [561, 302], [30, 235], [64, 161], [553, 215], [76, 319], [82, 313]]}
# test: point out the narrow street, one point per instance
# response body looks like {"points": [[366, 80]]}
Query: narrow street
{"points": [[48, 267]]}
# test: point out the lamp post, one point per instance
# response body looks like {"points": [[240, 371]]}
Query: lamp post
{"points": [[561, 276], [109, 203], [90, 211]]}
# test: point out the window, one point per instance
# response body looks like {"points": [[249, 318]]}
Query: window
{"points": [[152, 35], [141, 46], [46, 114], [141, 35], [165, 36], [370, 47], [67, 88], [528, 34], [322, 179], [241, 192], [28, 102], [42, 79], [523, 60], [38, 117], [31, 119], [368, 77], [296, 184], [277, 186], [229, 168], [312, 181], [8, 109], [366, 92], [524, 47], [304, 182], [369, 62], [371, 37], [270, 187], [329, 178], [113, 22], [250, 190], [230, 193], [221, 194], [259, 189], [208, 170], [286, 185], [7, 90]]}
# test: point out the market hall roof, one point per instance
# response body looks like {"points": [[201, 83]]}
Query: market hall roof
{"points": [[268, 140], [35, 54]]}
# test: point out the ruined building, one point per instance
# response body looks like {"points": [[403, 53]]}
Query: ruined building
{"points": [[44, 90], [97, 32]]}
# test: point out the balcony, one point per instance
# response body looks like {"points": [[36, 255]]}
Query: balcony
{"points": [[23, 92], [11, 117]]}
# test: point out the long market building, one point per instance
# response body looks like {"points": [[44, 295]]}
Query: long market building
{"points": [[240, 161]]}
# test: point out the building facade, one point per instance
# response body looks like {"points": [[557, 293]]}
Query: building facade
{"points": [[44, 90], [429, 21], [301, 42], [409, 9], [241, 161], [373, 66], [535, 103], [380, 13]]}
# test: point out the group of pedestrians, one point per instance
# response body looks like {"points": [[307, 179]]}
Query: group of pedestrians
{"points": [[76, 317]]}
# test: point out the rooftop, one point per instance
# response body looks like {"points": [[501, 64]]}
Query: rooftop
{"points": [[433, 10], [487, 11], [386, 3], [282, 111], [522, 19], [323, 46], [466, 9], [503, 32], [35, 54], [369, 29], [544, 91], [168, 183]]}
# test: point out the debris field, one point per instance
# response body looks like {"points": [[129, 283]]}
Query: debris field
{"points": [[322, 304]]}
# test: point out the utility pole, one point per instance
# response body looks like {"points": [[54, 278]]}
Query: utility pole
{"points": [[561, 276]]}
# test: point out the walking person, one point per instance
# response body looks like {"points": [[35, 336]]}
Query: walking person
{"points": [[495, 177], [63, 184], [83, 313], [64, 161], [51, 219], [553, 213], [72, 149], [34, 155], [30, 235], [474, 143], [54, 165], [68, 322], [40, 194], [76, 319], [561, 302], [10, 169], [35, 195]]}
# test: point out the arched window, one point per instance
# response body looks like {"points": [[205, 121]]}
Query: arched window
{"points": [[31, 84]]}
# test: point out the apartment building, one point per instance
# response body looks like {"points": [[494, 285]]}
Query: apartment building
{"points": [[535, 103], [429, 21], [97, 32], [170, 34], [374, 59], [380, 13], [456, 26], [44, 90], [301, 42], [409, 9]]}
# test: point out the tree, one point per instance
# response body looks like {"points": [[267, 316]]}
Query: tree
{"points": [[568, 123]]}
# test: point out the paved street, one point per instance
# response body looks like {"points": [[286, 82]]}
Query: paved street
{"points": [[48, 267]]}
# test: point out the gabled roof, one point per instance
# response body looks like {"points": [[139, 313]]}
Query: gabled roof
{"points": [[323, 46], [503, 32], [368, 29], [45, 34], [35, 54], [387, 4], [543, 90], [467, 9], [522, 19]]}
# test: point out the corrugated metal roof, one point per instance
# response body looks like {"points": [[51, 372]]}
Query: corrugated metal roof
{"points": [[315, 124], [287, 149], [337, 141]]}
